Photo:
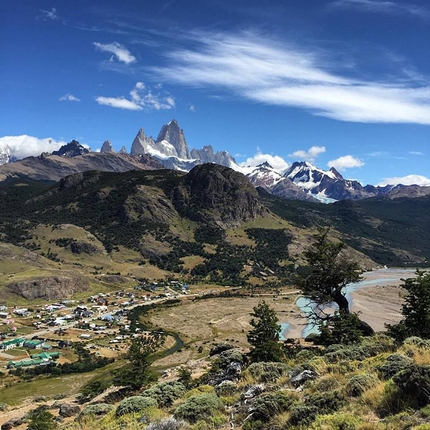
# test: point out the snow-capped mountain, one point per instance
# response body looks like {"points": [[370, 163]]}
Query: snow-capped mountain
{"points": [[5, 154], [172, 150]]}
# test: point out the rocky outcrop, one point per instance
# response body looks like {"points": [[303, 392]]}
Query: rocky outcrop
{"points": [[51, 288], [69, 410], [141, 143], [83, 248], [107, 147], [72, 149], [207, 155], [214, 193]]}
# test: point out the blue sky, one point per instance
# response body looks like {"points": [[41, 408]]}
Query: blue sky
{"points": [[343, 83]]}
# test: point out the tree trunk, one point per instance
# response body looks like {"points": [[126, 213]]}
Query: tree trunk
{"points": [[342, 302]]}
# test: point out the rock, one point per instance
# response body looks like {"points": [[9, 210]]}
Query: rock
{"points": [[69, 410], [107, 147], [301, 378], [220, 347], [14, 422], [253, 391]]}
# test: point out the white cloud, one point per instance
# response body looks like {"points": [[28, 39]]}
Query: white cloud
{"points": [[119, 51], [275, 161], [416, 153], [141, 98], [406, 180], [50, 14], [70, 98], [310, 155], [383, 6], [345, 162], [263, 70], [26, 146]]}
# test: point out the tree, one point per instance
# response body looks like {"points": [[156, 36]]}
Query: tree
{"points": [[137, 372], [327, 272], [264, 336], [41, 419], [415, 309]]}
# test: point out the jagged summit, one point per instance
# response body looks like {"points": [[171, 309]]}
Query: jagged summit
{"points": [[174, 135], [72, 149], [107, 147]]}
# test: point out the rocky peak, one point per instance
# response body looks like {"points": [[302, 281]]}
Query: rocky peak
{"points": [[336, 173], [172, 133], [107, 146], [72, 149], [141, 143], [264, 165], [123, 150]]}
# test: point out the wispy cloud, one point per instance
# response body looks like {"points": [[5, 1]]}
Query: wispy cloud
{"points": [[120, 52], [263, 70], [140, 98], [406, 180], [26, 146], [310, 155], [69, 98], [50, 14], [275, 161], [381, 6], [416, 153], [345, 162]]}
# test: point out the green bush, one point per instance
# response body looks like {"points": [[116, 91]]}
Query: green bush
{"points": [[327, 402], [267, 372], [200, 407], [165, 393], [417, 341], [337, 422], [303, 415], [358, 384], [265, 407], [134, 404], [226, 357], [226, 388], [96, 409], [168, 424], [394, 364], [414, 384]]}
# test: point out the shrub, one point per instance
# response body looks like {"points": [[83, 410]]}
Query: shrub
{"points": [[267, 372], [3, 407], [200, 407], [226, 388], [271, 404], [165, 393], [134, 404], [303, 415], [226, 357], [97, 409], [337, 422], [220, 347], [358, 384], [394, 364], [169, 424], [327, 402], [417, 341], [414, 384]]}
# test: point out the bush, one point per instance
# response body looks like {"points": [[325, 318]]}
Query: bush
{"points": [[394, 364], [303, 415], [169, 424], [165, 393], [220, 347], [271, 404], [226, 388], [358, 384], [337, 422], [417, 341], [327, 402], [267, 372], [226, 357], [200, 407], [414, 384], [134, 404], [97, 409]]}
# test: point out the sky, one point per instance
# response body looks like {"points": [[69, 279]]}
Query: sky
{"points": [[339, 83]]}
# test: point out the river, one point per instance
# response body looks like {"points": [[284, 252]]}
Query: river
{"points": [[378, 277]]}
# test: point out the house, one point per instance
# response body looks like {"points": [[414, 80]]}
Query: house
{"points": [[22, 312], [33, 344], [4, 314], [13, 343]]}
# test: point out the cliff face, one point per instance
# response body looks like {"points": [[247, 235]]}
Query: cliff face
{"points": [[50, 288], [214, 193]]}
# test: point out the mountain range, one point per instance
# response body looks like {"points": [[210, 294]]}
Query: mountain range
{"points": [[301, 181]]}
